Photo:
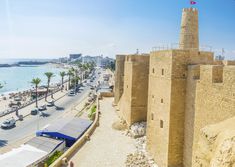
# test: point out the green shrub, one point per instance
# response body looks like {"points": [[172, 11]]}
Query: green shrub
{"points": [[91, 115], [53, 158]]}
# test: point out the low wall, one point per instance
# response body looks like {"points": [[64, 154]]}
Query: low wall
{"points": [[81, 141], [107, 94]]}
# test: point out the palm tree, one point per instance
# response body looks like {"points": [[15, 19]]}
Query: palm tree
{"points": [[75, 76], [70, 74], [36, 82], [85, 69], [1, 86], [49, 75], [75, 82], [62, 74]]}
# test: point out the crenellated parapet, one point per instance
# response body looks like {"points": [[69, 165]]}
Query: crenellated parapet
{"points": [[190, 10], [137, 58], [214, 74]]}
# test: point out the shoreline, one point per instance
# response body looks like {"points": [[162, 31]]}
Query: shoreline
{"points": [[54, 65], [25, 89], [25, 95]]}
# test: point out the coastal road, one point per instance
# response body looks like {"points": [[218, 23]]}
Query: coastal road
{"points": [[31, 124]]}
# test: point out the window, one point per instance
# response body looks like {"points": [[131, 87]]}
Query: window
{"points": [[152, 116], [161, 123], [161, 100], [153, 70], [126, 86], [153, 96], [162, 71]]}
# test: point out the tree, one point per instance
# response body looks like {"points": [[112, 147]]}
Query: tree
{"points": [[49, 75], [75, 81], [62, 74], [36, 82], [83, 68], [70, 74], [1, 86], [75, 76]]}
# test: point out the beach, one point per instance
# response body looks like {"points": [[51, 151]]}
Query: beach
{"points": [[17, 86], [19, 78]]}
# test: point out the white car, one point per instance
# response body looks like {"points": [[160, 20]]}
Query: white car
{"points": [[8, 123], [42, 108], [71, 93], [50, 103]]}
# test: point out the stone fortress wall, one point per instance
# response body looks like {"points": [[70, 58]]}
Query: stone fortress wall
{"points": [[210, 99], [187, 90], [133, 103], [119, 78]]}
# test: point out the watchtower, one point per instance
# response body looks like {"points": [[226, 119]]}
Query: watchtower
{"points": [[189, 38]]}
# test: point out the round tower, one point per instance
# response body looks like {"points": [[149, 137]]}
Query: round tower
{"points": [[189, 38]]}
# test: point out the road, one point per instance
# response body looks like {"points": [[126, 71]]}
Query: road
{"points": [[31, 123]]}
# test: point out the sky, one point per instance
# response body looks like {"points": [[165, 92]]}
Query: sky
{"points": [[56, 28]]}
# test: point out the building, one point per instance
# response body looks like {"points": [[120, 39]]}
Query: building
{"points": [[133, 100], [187, 90], [176, 109], [119, 78], [63, 60], [73, 57], [215, 83], [167, 93]]}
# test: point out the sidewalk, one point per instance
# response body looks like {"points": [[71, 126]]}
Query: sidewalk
{"points": [[27, 110], [107, 147]]}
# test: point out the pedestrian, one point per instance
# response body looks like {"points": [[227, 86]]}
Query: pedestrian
{"points": [[71, 164]]}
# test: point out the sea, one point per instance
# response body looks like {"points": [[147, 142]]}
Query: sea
{"points": [[15, 79]]}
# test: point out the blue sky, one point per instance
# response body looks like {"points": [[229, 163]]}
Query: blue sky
{"points": [[56, 28]]}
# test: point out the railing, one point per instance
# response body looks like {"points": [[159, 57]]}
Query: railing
{"points": [[177, 46]]}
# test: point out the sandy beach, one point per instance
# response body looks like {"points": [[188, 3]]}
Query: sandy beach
{"points": [[9, 101]]}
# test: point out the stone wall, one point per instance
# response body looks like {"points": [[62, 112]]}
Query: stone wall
{"points": [[210, 99], [133, 103], [119, 78], [159, 106], [166, 104]]}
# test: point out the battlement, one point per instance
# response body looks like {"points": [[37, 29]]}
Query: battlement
{"points": [[190, 10], [213, 73], [137, 58]]}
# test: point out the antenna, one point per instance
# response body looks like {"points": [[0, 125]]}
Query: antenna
{"points": [[137, 51]]}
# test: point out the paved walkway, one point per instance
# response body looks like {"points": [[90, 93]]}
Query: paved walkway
{"points": [[107, 147]]}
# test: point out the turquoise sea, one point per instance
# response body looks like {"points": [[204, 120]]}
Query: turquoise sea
{"points": [[19, 78]]}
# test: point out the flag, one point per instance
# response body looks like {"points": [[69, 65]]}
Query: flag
{"points": [[192, 2]]}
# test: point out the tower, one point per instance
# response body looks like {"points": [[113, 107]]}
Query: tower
{"points": [[119, 77], [189, 37], [167, 93]]}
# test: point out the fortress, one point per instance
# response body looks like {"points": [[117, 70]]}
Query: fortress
{"points": [[178, 92]]}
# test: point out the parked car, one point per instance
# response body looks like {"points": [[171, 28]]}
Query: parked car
{"points": [[50, 103], [71, 93], [34, 111], [42, 108], [8, 123]]}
